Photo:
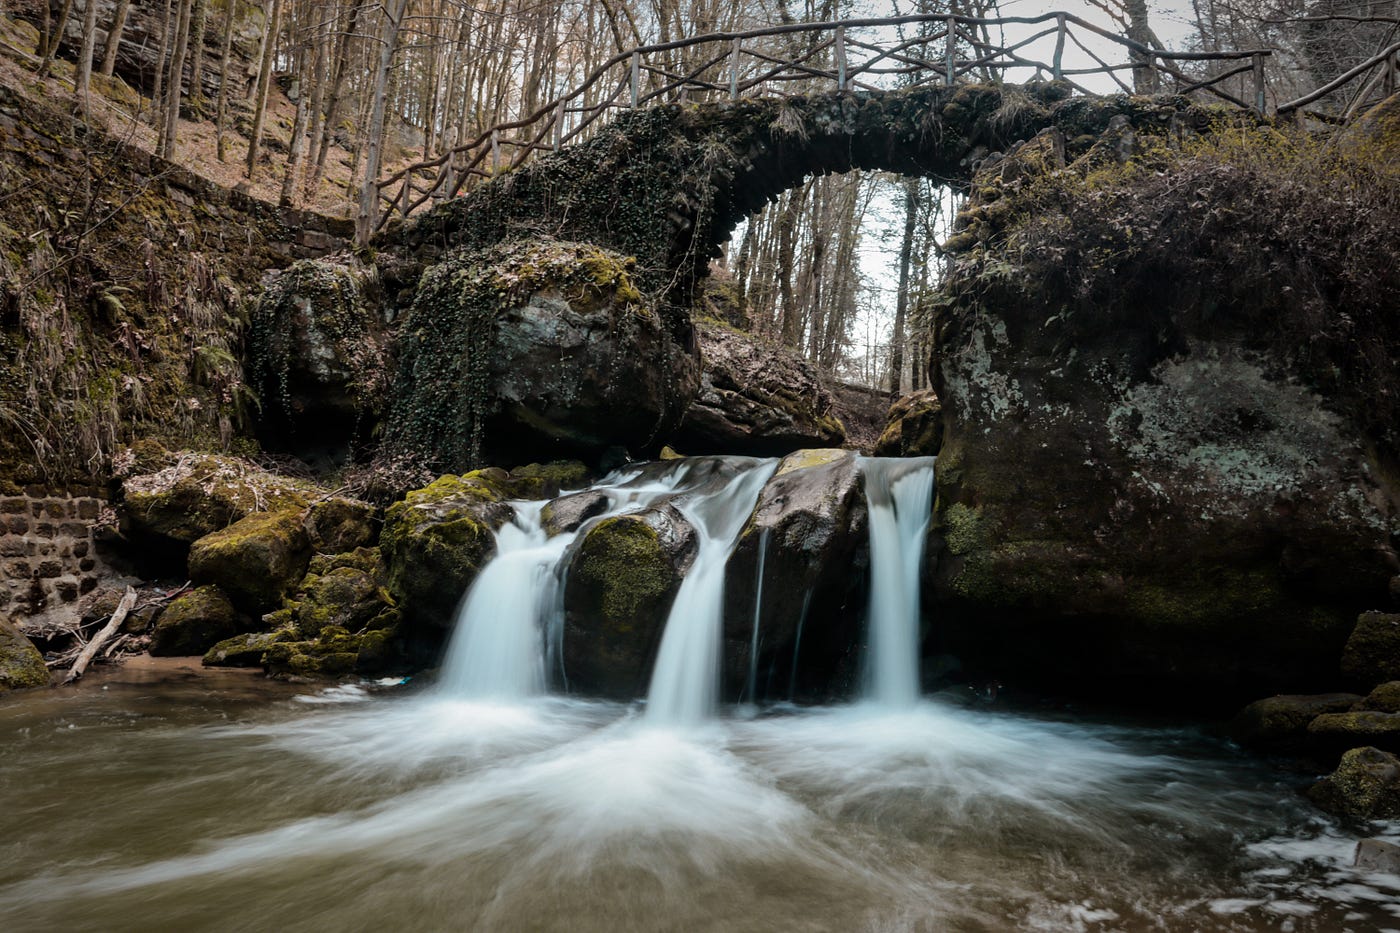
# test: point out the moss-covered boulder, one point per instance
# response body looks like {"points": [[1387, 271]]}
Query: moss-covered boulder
{"points": [[435, 541], [196, 621], [756, 398], [1169, 433], [1384, 698], [320, 356], [914, 427], [1281, 722], [199, 494], [548, 480], [809, 533], [569, 513], [1350, 729], [256, 560], [334, 653], [246, 650], [618, 592], [21, 664], [1365, 786], [335, 525], [1372, 652], [344, 590], [534, 349]]}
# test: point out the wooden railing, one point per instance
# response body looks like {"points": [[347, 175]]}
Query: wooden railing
{"points": [[845, 55]]}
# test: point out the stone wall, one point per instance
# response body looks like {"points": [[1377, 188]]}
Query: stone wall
{"points": [[48, 557]]}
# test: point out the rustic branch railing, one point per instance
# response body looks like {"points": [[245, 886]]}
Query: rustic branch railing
{"points": [[727, 65]]}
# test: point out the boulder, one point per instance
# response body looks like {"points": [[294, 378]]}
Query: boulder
{"points": [[1350, 729], [548, 480], [21, 664], [320, 356], [756, 398], [334, 653], [1384, 698], [618, 592], [246, 650], [435, 541], [1281, 722], [194, 622], [914, 427], [568, 513], [199, 494], [809, 532], [535, 349], [1378, 855], [1365, 786], [256, 560], [1372, 652], [338, 524]]}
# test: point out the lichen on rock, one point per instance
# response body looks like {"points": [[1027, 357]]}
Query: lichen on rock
{"points": [[256, 560]]}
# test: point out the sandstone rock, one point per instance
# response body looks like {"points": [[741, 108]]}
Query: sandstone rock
{"points": [[809, 531], [756, 398], [1365, 786], [1372, 653], [436, 540], [620, 586], [914, 427], [195, 622], [1281, 722], [256, 560], [21, 664], [337, 525]]}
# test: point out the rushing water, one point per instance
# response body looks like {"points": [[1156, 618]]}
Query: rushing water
{"points": [[157, 797]]}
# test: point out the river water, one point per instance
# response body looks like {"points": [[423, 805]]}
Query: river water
{"points": [[221, 802]]}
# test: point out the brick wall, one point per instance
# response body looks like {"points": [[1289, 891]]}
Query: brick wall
{"points": [[47, 554]]}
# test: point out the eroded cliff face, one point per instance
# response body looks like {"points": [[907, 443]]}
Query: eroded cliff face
{"points": [[1166, 369]]}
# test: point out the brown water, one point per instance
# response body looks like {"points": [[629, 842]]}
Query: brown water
{"points": [[166, 798]]}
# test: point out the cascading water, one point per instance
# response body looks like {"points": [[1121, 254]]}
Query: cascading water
{"points": [[685, 680], [899, 494]]}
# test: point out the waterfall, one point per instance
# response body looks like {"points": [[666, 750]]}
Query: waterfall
{"points": [[752, 688], [685, 681], [899, 494]]}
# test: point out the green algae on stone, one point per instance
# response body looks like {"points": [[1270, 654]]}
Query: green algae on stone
{"points": [[257, 560], [21, 664], [194, 622]]}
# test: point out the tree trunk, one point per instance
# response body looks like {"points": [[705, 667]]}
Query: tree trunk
{"points": [[54, 37], [374, 130], [342, 60], [901, 303], [170, 125], [83, 80], [199, 26], [221, 110], [264, 85], [114, 37], [295, 151]]}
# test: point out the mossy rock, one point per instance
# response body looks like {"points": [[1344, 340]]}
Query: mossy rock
{"points": [[1372, 653], [246, 650], [1384, 698], [21, 664], [335, 653], [548, 480], [256, 560], [201, 493], [618, 593], [1349, 729], [337, 525], [194, 622], [1365, 786], [914, 427], [437, 539], [1281, 722], [343, 590]]}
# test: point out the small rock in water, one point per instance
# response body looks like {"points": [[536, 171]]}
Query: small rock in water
{"points": [[1378, 855]]}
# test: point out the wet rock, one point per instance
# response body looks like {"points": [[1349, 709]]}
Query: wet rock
{"points": [[247, 650], [547, 480], [620, 586], [535, 349], [256, 560], [436, 540], [756, 398], [337, 525], [21, 664], [334, 653], [1347, 730], [1281, 722], [1365, 786], [1372, 653], [570, 512], [809, 528], [194, 622], [1384, 698], [1378, 855], [914, 427]]}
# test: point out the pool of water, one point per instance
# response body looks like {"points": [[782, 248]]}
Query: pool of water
{"points": [[164, 798]]}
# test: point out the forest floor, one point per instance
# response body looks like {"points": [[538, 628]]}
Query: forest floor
{"points": [[125, 114]]}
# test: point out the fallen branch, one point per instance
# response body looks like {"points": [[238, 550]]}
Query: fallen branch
{"points": [[110, 629]]}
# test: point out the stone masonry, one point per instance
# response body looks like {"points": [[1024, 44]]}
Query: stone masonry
{"points": [[47, 554]]}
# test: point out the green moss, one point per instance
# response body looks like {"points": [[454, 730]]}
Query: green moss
{"points": [[195, 622], [622, 561], [21, 664], [257, 560]]}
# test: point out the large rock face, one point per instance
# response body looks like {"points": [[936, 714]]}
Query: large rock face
{"points": [[756, 398], [1171, 465], [532, 350]]}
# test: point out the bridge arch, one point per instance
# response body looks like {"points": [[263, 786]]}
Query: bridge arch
{"points": [[668, 184]]}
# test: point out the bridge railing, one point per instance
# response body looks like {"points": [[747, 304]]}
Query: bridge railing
{"points": [[857, 55]]}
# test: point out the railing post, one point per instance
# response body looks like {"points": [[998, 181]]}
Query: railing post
{"points": [[734, 52], [1259, 82], [495, 153], [1057, 70], [949, 51], [636, 78], [840, 58]]}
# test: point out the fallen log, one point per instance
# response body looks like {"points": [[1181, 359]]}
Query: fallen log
{"points": [[108, 630]]}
